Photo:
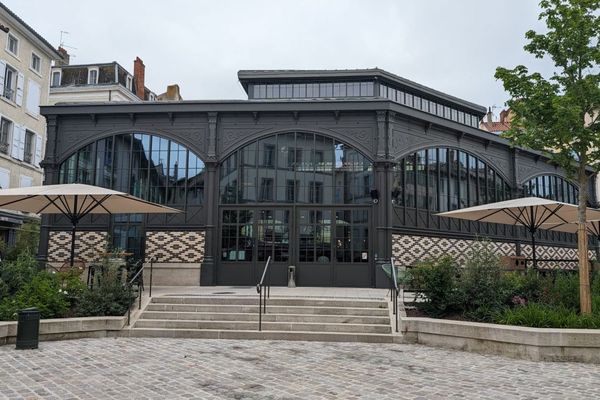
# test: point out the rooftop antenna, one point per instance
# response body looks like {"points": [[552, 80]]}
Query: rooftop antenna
{"points": [[62, 41]]}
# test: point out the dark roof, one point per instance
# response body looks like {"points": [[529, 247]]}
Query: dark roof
{"points": [[30, 29], [248, 76]]}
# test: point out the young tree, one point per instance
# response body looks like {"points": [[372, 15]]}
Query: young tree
{"points": [[560, 114]]}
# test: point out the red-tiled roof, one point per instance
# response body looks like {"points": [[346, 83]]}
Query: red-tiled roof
{"points": [[495, 126]]}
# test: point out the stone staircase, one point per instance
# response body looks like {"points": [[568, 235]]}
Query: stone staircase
{"points": [[342, 320]]}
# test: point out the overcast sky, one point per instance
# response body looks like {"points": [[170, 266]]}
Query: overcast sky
{"points": [[450, 45]]}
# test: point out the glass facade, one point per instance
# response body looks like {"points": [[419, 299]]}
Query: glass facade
{"points": [[147, 166], [296, 168], [303, 170], [312, 90], [552, 187], [428, 106], [442, 179]]}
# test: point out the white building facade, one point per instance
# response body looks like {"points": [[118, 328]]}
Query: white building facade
{"points": [[25, 62]]}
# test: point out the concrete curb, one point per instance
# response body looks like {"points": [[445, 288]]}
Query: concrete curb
{"points": [[536, 344], [67, 328]]}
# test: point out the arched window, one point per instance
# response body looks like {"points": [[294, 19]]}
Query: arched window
{"points": [[147, 166], [442, 179], [296, 167], [552, 187]]}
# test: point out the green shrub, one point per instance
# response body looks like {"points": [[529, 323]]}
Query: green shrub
{"points": [[27, 241], [546, 316], [561, 289], [481, 285], [43, 292], [108, 297], [16, 273], [527, 286], [595, 285], [435, 283]]}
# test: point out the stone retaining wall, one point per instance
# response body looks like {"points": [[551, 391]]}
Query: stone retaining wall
{"points": [[67, 328], [537, 344]]}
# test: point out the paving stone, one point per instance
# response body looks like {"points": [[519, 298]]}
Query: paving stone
{"points": [[158, 368]]}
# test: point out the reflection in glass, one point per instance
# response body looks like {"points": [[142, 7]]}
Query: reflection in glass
{"points": [[441, 179], [296, 167], [147, 166], [552, 187]]}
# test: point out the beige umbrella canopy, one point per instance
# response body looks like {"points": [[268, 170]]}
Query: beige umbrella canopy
{"points": [[531, 212], [75, 201]]}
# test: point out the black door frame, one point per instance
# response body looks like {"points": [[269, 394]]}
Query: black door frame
{"points": [[228, 273]]}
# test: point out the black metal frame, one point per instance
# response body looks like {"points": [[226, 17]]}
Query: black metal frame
{"points": [[136, 279], [394, 290], [263, 289]]}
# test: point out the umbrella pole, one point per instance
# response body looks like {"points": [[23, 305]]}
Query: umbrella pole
{"points": [[533, 249], [73, 230]]}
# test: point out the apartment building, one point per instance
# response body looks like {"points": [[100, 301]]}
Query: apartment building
{"points": [[98, 82], [25, 61]]}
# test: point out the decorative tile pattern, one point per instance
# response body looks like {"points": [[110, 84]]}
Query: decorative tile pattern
{"points": [[175, 246], [555, 253], [409, 249], [88, 245]]}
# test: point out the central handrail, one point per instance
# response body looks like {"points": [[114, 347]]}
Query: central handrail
{"points": [[395, 290], [263, 289], [136, 278]]}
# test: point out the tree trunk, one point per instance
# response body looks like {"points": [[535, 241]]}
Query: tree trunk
{"points": [[585, 300]]}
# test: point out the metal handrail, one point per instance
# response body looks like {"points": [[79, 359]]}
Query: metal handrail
{"points": [[395, 290], [263, 289], [140, 288]]}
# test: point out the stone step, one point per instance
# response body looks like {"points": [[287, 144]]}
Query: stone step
{"points": [[270, 326], [209, 316], [271, 309], [275, 301], [266, 335]]}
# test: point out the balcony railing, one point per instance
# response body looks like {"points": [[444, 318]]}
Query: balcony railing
{"points": [[8, 93]]}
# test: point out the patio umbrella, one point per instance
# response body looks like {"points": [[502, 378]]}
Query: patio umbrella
{"points": [[531, 212], [75, 201]]}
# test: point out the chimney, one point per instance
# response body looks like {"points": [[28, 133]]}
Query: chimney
{"points": [[66, 58], [503, 116], [138, 77], [173, 92], [489, 116]]}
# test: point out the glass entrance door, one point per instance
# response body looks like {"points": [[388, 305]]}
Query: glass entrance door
{"points": [[333, 247], [248, 238], [329, 246]]}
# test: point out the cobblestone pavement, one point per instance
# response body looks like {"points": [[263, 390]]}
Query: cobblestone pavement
{"points": [[231, 369]]}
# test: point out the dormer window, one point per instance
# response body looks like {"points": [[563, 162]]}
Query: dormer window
{"points": [[55, 78], [93, 76]]}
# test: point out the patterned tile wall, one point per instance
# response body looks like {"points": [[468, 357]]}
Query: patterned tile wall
{"points": [[409, 249], [88, 245], [175, 246], [555, 253]]}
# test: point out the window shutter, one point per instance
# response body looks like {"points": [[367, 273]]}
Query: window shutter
{"points": [[20, 83], [26, 181], [33, 97], [22, 143], [2, 72], [16, 137], [4, 178], [38, 150]]}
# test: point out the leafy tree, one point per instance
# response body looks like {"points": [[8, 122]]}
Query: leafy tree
{"points": [[560, 114]]}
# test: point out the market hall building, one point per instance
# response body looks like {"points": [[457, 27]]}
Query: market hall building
{"points": [[329, 171]]}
